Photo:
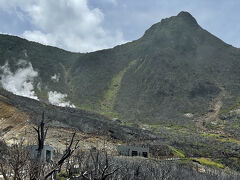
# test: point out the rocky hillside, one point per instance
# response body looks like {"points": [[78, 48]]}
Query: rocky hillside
{"points": [[18, 112]]}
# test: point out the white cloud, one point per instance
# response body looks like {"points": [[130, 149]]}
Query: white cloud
{"points": [[38, 36], [21, 81], [68, 24], [59, 99]]}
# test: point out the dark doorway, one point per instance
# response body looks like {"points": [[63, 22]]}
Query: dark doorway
{"points": [[48, 155], [145, 154], [134, 153]]}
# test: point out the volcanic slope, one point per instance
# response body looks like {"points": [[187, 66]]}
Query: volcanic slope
{"points": [[173, 74]]}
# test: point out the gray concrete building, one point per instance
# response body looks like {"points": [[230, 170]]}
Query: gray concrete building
{"points": [[126, 150], [47, 153]]}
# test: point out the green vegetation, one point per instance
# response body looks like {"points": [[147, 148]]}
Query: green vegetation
{"points": [[177, 152], [62, 176], [126, 124], [222, 138], [110, 95], [209, 162], [226, 110]]}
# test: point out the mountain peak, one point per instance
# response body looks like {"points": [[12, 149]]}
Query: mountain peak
{"points": [[184, 22], [187, 17], [184, 14]]}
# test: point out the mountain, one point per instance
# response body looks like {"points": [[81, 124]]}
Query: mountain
{"points": [[175, 89], [174, 74]]}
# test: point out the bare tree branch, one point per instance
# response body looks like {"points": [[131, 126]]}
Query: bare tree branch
{"points": [[67, 154]]}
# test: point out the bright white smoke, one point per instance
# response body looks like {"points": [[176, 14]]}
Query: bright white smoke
{"points": [[21, 81], [59, 99]]}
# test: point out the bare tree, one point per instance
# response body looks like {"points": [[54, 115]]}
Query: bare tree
{"points": [[68, 152], [4, 155], [94, 165], [38, 168], [37, 165], [14, 161], [42, 133]]}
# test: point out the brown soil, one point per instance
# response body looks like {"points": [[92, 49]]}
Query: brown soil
{"points": [[15, 126]]}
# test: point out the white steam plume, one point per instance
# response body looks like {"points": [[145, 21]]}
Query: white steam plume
{"points": [[55, 77], [21, 81], [59, 99]]}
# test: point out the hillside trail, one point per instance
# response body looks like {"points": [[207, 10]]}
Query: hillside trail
{"points": [[212, 115]]}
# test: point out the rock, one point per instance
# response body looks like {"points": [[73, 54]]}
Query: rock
{"points": [[189, 115]]}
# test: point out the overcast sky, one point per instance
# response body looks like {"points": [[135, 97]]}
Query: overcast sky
{"points": [[89, 25]]}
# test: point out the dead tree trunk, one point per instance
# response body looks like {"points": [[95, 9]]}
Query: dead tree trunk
{"points": [[38, 162], [42, 133]]}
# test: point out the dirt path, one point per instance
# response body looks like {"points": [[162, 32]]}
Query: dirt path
{"points": [[212, 115]]}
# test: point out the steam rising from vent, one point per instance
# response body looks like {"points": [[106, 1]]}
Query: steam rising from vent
{"points": [[59, 99], [21, 81], [55, 77]]}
